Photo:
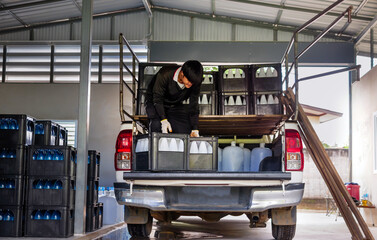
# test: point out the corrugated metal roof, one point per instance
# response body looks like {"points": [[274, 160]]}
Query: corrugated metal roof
{"points": [[281, 13]]}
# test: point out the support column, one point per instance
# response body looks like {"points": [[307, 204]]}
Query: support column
{"points": [[84, 106]]}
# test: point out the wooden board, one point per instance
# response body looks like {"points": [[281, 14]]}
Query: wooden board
{"points": [[241, 125]]}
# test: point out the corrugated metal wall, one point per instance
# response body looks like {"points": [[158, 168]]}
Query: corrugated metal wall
{"points": [[166, 27]]}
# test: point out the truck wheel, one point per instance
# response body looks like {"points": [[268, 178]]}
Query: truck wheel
{"points": [[141, 230], [283, 232]]}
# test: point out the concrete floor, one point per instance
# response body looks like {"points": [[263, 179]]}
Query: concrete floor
{"points": [[311, 225]]}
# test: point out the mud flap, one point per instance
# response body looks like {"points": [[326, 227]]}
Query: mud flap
{"points": [[135, 215], [284, 216]]}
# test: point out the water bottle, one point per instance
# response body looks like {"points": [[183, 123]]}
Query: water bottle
{"points": [[246, 158], [263, 99], [194, 148], [38, 215], [3, 153], [10, 184], [232, 158], [61, 156], [8, 215], [40, 184], [49, 184], [163, 144], [11, 153], [4, 123], [39, 129], [110, 206], [56, 215], [55, 157], [173, 145], [47, 215], [209, 147], [202, 147], [1, 215], [257, 155], [2, 183], [57, 185], [40, 155], [13, 124], [180, 145], [49, 154]]}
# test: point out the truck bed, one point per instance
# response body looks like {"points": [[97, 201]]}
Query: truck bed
{"points": [[240, 125]]}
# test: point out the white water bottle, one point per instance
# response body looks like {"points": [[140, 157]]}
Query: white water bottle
{"points": [[231, 101], [232, 158], [263, 100], [237, 74], [163, 144], [173, 147], [202, 147], [270, 99], [180, 145], [246, 157], [204, 99], [194, 147]]}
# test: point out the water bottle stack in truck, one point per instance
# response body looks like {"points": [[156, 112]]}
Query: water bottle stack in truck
{"points": [[165, 176]]}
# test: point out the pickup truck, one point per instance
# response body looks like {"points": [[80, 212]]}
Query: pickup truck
{"points": [[271, 192]]}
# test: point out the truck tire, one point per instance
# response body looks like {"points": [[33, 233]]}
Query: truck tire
{"points": [[283, 232], [141, 230]]}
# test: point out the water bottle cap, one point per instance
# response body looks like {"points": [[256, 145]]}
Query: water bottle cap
{"points": [[261, 145], [242, 145], [233, 143]]}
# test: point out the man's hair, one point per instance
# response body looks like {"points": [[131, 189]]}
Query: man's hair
{"points": [[193, 71]]}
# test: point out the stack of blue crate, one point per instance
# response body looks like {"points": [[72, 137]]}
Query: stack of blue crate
{"points": [[16, 133]]}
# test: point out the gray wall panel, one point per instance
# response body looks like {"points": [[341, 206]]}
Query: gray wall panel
{"points": [[249, 33], [134, 26], [249, 52], [101, 28], [171, 27], [206, 30], [57, 32], [16, 36]]}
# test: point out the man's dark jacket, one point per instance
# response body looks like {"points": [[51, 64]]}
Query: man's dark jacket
{"points": [[163, 92]]}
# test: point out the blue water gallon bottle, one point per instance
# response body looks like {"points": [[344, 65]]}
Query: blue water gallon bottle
{"points": [[13, 124], [49, 184], [47, 215], [2, 183], [40, 184], [11, 153], [61, 156], [56, 215], [4, 123], [57, 185], [10, 184], [8, 215], [49, 155], [1, 215], [3, 153], [40, 155], [38, 215], [56, 155], [39, 129]]}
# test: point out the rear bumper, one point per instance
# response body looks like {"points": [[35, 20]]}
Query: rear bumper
{"points": [[209, 198]]}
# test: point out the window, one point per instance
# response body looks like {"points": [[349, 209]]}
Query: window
{"points": [[375, 142], [70, 125]]}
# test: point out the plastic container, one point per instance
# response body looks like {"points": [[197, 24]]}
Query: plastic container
{"points": [[235, 103], [16, 129], [91, 216], [110, 209], [266, 77], [246, 157], [233, 158], [12, 160], [94, 160], [60, 224], [11, 224], [92, 193], [99, 217], [12, 190], [354, 190], [234, 78], [62, 136], [51, 160], [257, 155], [141, 153], [46, 133], [163, 156], [51, 191], [208, 103], [205, 159]]}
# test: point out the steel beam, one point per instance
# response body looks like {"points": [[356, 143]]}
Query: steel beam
{"points": [[147, 7], [83, 124], [366, 30]]}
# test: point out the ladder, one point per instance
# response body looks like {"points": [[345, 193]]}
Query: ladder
{"points": [[346, 205]]}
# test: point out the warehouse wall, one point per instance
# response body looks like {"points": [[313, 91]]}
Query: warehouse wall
{"points": [[364, 105], [315, 186], [60, 102]]}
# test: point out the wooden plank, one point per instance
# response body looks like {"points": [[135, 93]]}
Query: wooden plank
{"points": [[331, 176]]}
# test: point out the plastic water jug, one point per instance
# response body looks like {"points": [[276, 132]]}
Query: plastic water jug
{"points": [[246, 157], [47, 215], [209, 147], [194, 147], [8, 216], [40, 185], [13, 124], [3, 153], [39, 129], [173, 147], [111, 212], [49, 184], [202, 147], [4, 123], [38, 215], [57, 185], [232, 158], [163, 144], [56, 215], [10, 184], [1, 215], [263, 99], [2, 183], [257, 155], [219, 159], [238, 100], [11, 153]]}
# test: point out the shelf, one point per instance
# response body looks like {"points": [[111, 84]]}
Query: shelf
{"points": [[240, 125]]}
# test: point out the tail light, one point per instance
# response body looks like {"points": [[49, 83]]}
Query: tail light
{"points": [[123, 154], [294, 157]]}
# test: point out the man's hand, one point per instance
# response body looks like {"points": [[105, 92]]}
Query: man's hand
{"points": [[165, 126], [194, 133]]}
